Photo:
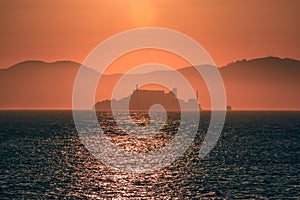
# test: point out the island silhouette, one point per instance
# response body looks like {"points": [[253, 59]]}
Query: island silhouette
{"points": [[143, 100]]}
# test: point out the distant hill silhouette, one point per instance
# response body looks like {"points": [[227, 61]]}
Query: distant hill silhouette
{"points": [[263, 83], [270, 83], [37, 85]]}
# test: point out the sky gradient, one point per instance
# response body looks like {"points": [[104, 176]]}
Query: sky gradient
{"points": [[69, 30]]}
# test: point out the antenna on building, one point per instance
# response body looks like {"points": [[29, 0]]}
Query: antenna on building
{"points": [[174, 90], [137, 86]]}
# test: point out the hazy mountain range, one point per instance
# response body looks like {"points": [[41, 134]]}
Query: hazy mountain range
{"points": [[262, 83]]}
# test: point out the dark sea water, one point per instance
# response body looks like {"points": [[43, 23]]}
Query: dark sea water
{"points": [[256, 157]]}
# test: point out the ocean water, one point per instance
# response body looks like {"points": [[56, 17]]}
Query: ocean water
{"points": [[256, 157]]}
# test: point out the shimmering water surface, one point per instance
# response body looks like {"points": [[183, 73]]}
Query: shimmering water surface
{"points": [[256, 157]]}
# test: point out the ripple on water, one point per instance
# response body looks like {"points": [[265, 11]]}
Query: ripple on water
{"points": [[257, 157]]}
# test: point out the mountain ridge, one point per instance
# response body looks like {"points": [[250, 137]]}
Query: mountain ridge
{"points": [[261, 83], [220, 67]]}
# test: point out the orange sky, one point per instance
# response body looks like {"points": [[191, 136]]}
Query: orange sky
{"points": [[68, 30]]}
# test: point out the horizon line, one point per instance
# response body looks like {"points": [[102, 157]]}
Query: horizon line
{"points": [[65, 109]]}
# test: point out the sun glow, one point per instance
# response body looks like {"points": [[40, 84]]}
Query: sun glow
{"points": [[142, 12]]}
